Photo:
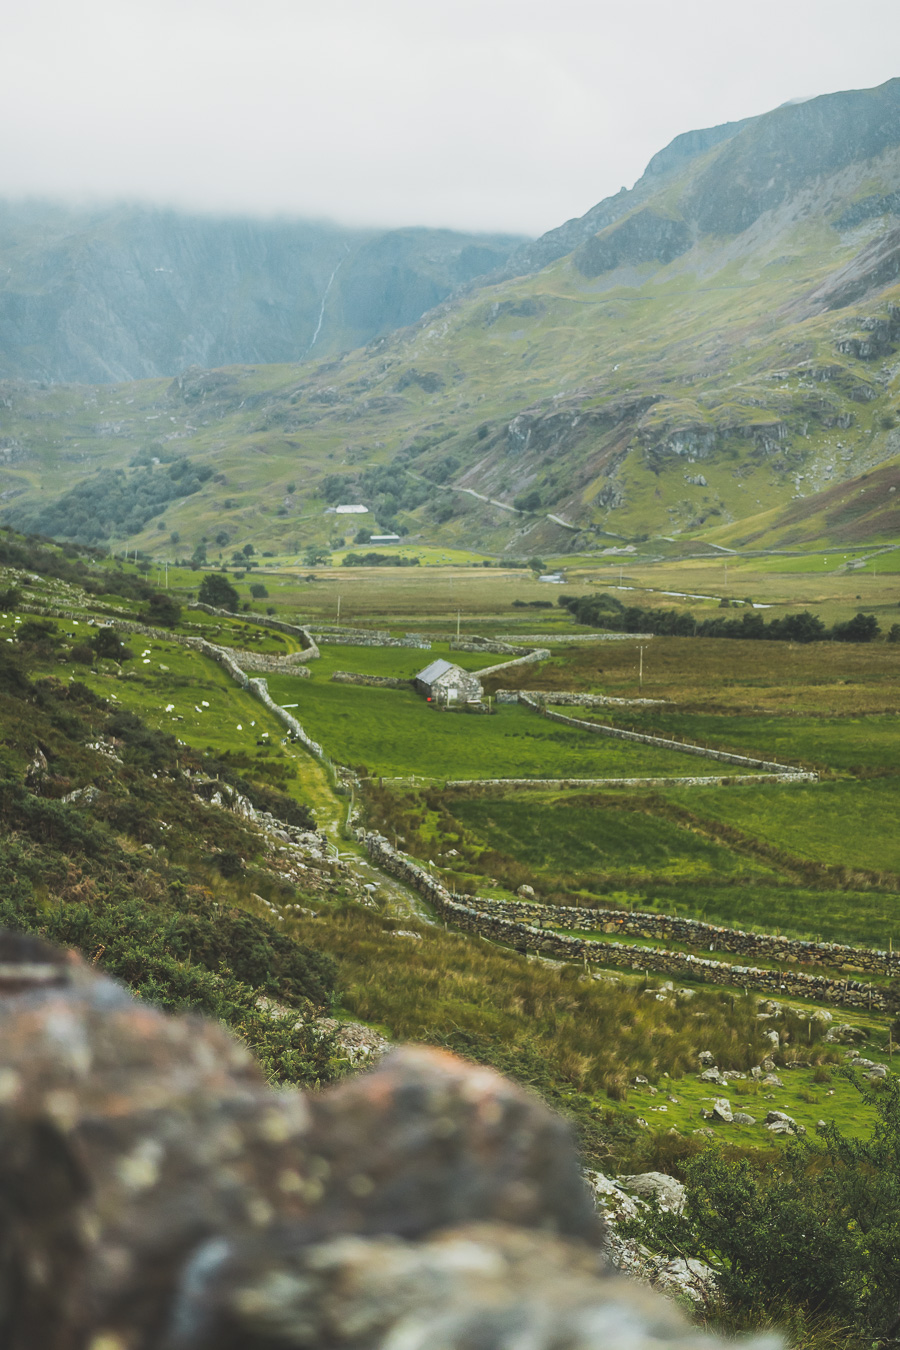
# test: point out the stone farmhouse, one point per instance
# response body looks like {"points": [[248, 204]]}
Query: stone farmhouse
{"points": [[446, 683]]}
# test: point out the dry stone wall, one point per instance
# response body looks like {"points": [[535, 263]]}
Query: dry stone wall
{"points": [[367, 637], [466, 913], [599, 729], [261, 690], [565, 700], [578, 637], [695, 933], [263, 663], [374, 681], [539, 654], [476, 644], [724, 780], [310, 650]]}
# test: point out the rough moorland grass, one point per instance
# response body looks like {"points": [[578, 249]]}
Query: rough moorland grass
{"points": [[579, 1041], [844, 824], [395, 733], [568, 837], [574, 849], [846, 743], [750, 677]]}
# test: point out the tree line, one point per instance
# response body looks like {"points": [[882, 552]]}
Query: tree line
{"points": [[606, 611]]}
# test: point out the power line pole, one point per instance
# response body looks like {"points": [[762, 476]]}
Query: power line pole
{"points": [[641, 668]]}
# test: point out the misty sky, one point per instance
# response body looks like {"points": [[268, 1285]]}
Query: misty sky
{"points": [[479, 114]]}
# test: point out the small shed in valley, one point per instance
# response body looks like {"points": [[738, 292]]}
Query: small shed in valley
{"points": [[444, 682]]}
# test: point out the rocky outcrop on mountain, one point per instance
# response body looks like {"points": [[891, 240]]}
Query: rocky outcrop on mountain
{"points": [[158, 1195], [643, 237], [665, 164], [779, 153]]}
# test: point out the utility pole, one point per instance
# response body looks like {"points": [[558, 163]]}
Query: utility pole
{"points": [[339, 610], [167, 574], [457, 625], [641, 668]]}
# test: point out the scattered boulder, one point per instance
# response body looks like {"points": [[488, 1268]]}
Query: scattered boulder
{"points": [[722, 1110], [845, 1034], [85, 796], [37, 770], [779, 1123], [706, 1058], [526, 892], [710, 1076], [659, 1185], [742, 1118]]}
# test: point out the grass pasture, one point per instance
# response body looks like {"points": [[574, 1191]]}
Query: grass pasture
{"points": [[395, 733], [849, 824]]}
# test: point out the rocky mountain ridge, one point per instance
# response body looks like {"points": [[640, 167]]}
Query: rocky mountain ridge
{"points": [[707, 352]]}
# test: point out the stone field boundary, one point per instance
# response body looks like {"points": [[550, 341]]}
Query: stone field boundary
{"points": [[697, 933], [463, 913]]}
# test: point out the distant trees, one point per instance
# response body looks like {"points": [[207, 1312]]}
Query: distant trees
{"points": [[117, 502], [606, 611], [217, 590], [378, 560], [861, 628]]}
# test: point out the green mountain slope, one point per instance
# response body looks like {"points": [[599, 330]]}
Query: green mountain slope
{"points": [[724, 348]]}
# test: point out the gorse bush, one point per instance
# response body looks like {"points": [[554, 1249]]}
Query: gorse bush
{"points": [[816, 1229]]}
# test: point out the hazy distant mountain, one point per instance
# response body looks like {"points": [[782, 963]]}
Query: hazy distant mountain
{"points": [[133, 292], [714, 354]]}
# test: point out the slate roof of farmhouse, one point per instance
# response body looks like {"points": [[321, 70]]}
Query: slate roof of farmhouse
{"points": [[435, 670]]}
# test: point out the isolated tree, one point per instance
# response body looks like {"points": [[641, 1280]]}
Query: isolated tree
{"points": [[258, 591], [316, 556], [107, 644], [217, 590], [163, 610]]}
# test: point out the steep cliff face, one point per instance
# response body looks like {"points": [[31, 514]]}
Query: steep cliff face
{"points": [[132, 293]]}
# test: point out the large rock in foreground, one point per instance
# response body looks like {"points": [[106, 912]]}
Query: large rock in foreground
{"points": [[157, 1195]]}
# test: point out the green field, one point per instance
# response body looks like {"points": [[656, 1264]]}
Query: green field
{"points": [[844, 824], [582, 836], [847, 743], [397, 734], [399, 662]]}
